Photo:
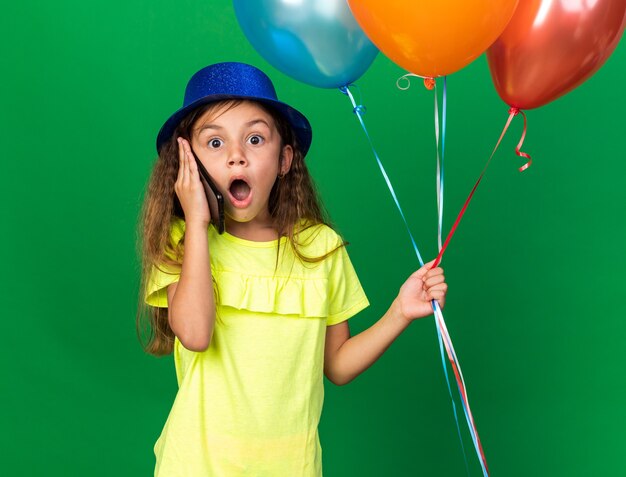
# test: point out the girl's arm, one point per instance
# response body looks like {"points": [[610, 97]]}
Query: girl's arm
{"points": [[346, 357], [191, 304]]}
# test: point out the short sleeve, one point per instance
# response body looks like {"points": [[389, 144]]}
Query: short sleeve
{"points": [[156, 288], [163, 275], [346, 295]]}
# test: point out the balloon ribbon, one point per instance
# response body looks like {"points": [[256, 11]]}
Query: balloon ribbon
{"points": [[512, 113], [443, 336], [442, 332], [441, 325]]}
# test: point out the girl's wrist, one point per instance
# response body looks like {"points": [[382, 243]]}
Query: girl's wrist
{"points": [[192, 224], [398, 315]]}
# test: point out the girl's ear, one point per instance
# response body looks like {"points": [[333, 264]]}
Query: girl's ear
{"points": [[285, 160]]}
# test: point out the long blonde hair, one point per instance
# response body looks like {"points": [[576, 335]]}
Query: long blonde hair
{"points": [[293, 200]]}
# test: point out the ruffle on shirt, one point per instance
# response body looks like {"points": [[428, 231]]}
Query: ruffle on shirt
{"points": [[305, 297]]}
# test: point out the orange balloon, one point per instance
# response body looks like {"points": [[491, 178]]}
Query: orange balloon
{"points": [[433, 37]]}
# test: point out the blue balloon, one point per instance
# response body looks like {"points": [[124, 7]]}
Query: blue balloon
{"points": [[314, 41]]}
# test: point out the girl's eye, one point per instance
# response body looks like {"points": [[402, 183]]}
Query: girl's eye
{"points": [[255, 140], [215, 143]]}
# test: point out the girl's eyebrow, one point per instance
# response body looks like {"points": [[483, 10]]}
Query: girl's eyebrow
{"points": [[256, 121], [248, 124], [208, 126]]}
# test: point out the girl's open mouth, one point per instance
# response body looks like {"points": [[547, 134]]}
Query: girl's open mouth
{"points": [[240, 193]]}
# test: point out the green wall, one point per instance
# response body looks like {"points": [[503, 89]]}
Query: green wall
{"points": [[536, 269]]}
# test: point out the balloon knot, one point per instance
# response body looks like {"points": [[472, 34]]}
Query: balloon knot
{"points": [[343, 89], [360, 109], [514, 111], [429, 83]]}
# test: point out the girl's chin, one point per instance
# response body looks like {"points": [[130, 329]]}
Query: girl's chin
{"points": [[238, 215], [239, 220], [247, 215]]}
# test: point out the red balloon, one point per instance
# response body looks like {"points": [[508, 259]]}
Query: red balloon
{"points": [[552, 46]]}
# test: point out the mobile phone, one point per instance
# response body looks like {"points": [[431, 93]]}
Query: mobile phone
{"points": [[213, 195]]}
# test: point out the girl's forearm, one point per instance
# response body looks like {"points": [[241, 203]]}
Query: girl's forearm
{"points": [[192, 311], [361, 351]]}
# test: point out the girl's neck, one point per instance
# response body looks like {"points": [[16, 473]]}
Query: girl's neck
{"points": [[253, 230]]}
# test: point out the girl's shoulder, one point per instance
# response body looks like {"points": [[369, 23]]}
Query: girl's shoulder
{"points": [[177, 228], [315, 239], [176, 233]]}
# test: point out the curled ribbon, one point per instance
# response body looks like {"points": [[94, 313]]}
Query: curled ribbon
{"points": [[429, 81], [512, 113], [515, 112]]}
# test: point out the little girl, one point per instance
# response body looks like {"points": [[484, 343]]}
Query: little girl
{"points": [[256, 315]]}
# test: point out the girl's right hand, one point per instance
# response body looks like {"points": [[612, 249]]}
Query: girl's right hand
{"points": [[189, 188]]}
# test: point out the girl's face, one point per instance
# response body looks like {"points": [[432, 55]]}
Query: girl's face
{"points": [[241, 149]]}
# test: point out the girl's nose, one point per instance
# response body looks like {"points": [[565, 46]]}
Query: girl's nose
{"points": [[237, 157]]}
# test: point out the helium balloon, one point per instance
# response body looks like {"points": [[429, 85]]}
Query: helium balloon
{"points": [[551, 46], [433, 37], [316, 42]]}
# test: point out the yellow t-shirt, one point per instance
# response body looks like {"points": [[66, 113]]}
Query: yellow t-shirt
{"points": [[250, 404]]}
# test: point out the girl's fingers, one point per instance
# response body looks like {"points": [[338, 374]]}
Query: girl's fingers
{"points": [[436, 295], [181, 162], [425, 270], [193, 167], [435, 271], [434, 280], [438, 292], [439, 287], [430, 264], [186, 163], [188, 186], [190, 163], [439, 299]]}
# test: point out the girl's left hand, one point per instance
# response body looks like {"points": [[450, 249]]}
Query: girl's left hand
{"points": [[420, 288]]}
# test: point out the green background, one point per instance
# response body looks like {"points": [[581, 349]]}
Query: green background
{"points": [[535, 306]]}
